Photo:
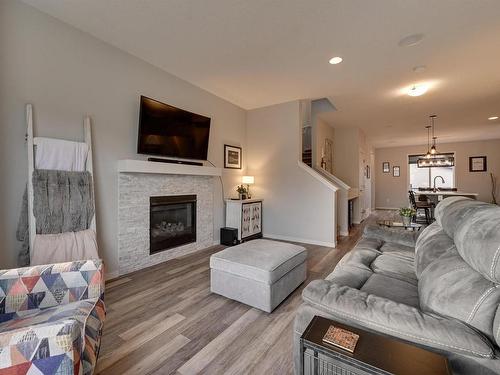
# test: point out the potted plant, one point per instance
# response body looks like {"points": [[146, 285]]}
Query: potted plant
{"points": [[406, 214], [242, 191]]}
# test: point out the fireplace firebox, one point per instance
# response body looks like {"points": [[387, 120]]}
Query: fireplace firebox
{"points": [[172, 222]]}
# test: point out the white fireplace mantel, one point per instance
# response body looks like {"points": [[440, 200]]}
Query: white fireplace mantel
{"points": [[143, 166]]}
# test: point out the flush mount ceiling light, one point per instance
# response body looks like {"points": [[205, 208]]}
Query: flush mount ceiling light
{"points": [[335, 60], [419, 68], [417, 90], [411, 40], [493, 118]]}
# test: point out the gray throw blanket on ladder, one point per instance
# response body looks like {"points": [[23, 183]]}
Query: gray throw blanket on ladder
{"points": [[62, 202]]}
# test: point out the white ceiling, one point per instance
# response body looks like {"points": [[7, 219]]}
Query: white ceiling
{"points": [[260, 52]]}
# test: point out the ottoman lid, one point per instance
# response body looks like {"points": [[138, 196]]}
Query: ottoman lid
{"points": [[260, 260]]}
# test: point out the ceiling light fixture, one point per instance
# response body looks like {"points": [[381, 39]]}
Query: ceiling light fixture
{"points": [[419, 68], [335, 60], [417, 90], [411, 40], [433, 158], [428, 155], [493, 118], [433, 147]]}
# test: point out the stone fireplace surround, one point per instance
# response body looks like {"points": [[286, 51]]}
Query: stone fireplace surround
{"points": [[134, 191]]}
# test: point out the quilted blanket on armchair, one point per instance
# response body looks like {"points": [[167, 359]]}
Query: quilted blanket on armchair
{"points": [[51, 318]]}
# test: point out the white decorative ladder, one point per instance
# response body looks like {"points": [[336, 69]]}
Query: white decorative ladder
{"points": [[32, 142]]}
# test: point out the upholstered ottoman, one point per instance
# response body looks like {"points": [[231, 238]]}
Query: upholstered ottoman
{"points": [[260, 273]]}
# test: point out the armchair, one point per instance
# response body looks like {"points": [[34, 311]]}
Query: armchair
{"points": [[51, 318]]}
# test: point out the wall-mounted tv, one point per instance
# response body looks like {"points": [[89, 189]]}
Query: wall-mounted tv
{"points": [[165, 130]]}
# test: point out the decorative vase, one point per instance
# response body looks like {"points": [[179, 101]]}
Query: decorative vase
{"points": [[406, 220]]}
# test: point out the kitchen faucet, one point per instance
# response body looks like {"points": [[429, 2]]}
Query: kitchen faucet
{"points": [[442, 180]]}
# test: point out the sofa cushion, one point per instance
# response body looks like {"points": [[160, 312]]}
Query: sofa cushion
{"points": [[360, 258], [52, 335], [395, 249], [351, 276], [395, 266], [475, 229], [260, 260], [449, 210], [394, 235], [397, 290], [450, 287], [368, 243], [431, 244]]}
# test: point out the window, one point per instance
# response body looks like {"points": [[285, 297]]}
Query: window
{"points": [[424, 177]]}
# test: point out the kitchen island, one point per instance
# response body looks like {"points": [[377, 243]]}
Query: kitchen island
{"points": [[439, 195]]}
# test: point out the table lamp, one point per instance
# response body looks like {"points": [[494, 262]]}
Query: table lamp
{"points": [[248, 180]]}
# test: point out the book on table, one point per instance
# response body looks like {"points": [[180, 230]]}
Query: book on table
{"points": [[341, 338]]}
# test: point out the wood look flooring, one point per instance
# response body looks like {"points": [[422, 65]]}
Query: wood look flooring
{"points": [[164, 320]]}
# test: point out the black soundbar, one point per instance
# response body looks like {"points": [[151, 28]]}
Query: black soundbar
{"points": [[173, 161]]}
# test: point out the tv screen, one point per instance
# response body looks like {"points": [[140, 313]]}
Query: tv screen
{"points": [[165, 130]]}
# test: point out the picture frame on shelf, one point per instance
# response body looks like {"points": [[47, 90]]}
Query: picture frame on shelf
{"points": [[396, 171], [478, 164], [386, 167], [232, 157]]}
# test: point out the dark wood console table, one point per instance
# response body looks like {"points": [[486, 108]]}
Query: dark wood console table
{"points": [[374, 354]]}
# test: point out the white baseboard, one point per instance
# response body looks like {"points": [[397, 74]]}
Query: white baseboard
{"points": [[301, 240], [345, 234]]}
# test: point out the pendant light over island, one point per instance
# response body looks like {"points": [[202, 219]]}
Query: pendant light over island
{"points": [[433, 158]]}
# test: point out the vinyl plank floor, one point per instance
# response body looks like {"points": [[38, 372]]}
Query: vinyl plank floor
{"points": [[164, 320]]}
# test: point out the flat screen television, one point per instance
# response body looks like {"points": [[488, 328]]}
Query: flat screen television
{"points": [[165, 130]]}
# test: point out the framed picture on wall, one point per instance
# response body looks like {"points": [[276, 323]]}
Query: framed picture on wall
{"points": [[477, 164], [396, 171], [386, 168], [232, 157]]}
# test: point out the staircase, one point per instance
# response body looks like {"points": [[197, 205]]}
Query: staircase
{"points": [[307, 157]]}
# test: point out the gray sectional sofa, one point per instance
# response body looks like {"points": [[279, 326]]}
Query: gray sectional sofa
{"points": [[438, 289]]}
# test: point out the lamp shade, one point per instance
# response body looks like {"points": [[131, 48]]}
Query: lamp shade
{"points": [[249, 180]]}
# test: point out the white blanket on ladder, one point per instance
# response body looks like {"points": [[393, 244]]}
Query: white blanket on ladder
{"points": [[64, 247], [61, 155]]}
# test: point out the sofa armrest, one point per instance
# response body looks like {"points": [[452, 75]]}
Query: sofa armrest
{"points": [[395, 319], [43, 336], [395, 235], [50, 285]]}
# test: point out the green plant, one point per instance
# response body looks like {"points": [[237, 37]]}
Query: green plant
{"points": [[241, 189], [407, 212]]}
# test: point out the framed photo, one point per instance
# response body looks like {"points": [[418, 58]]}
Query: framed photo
{"points": [[477, 164], [232, 157], [396, 172], [386, 167]]}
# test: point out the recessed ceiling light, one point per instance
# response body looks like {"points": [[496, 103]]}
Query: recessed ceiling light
{"points": [[417, 90], [411, 40], [419, 68], [335, 60], [493, 118]]}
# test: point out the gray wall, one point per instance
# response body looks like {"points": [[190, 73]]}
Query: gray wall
{"points": [[66, 73], [392, 192], [296, 205]]}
